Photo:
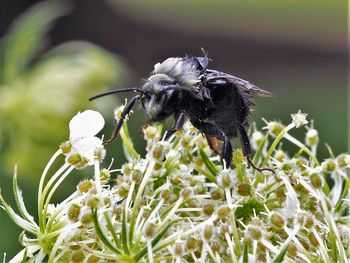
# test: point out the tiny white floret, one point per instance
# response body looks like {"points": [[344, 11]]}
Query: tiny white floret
{"points": [[299, 119]]}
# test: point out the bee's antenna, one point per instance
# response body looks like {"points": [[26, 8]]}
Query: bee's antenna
{"points": [[117, 91]]}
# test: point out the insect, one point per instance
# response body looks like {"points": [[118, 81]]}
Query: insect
{"points": [[216, 103]]}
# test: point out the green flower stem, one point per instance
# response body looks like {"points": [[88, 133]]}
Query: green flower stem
{"points": [[236, 238], [196, 228], [42, 179], [333, 228], [44, 193], [53, 190], [124, 134], [323, 249], [145, 178], [230, 246], [98, 181], [302, 146], [283, 249], [59, 210], [150, 251], [275, 143]]}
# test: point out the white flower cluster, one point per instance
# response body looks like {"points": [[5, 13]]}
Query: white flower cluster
{"points": [[177, 204]]}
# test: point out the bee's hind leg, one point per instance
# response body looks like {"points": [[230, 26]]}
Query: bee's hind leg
{"points": [[211, 130], [247, 150], [213, 144]]}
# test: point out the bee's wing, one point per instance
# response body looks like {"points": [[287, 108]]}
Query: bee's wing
{"points": [[217, 77]]}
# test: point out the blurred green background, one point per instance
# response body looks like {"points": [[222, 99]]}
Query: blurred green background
{"points": [[56, 54]]}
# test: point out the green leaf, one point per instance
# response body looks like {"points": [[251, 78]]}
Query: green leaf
{"points": [[124, 233], [247, 210], [25, 36], [259, 152], [19, 199]]}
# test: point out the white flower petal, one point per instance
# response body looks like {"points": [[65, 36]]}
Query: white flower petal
{"points": [[85, 124], [87, 147]]}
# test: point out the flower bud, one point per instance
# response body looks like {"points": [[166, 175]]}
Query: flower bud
{"points": [[254, 232], [277, 220], [74, 159], [178, 249], [217, 194], [237, 157], [186, 140], [78, 256], [208, 209], [223, 212], [280, 156], [191, 244], [93, 202], [224, 228], [257, 139], [126, 169], [100, 153], [316, 180], [226, 179], [136, 175], [216, 247], [309, 221], [208, 232], [66, 147], [343, 160], [86, 218], [186, 193], [275, 128], [292, 249], [92, 259], [150, 133], [243, 189], [105, 175], [84, 186], [73, 212], [311, 138], [150, 230], [328, 166], [165, 195], [302, 164], [313, 240]]}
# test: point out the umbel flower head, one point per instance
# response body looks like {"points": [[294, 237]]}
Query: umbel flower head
{"points": [[176, 203], [83, 147]]}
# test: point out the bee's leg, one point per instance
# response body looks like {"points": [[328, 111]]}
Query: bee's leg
{"points": [[178, 124], [247, 150], [125, 112], [213, 143], [213, 130]]}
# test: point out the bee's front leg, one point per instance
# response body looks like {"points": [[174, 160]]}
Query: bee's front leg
{"points": [[178, 124]]}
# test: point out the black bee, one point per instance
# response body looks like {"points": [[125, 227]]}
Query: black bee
{"points": [[216, 103]]}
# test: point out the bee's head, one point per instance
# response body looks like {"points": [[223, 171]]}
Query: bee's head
{"points": [[161, 101]]}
